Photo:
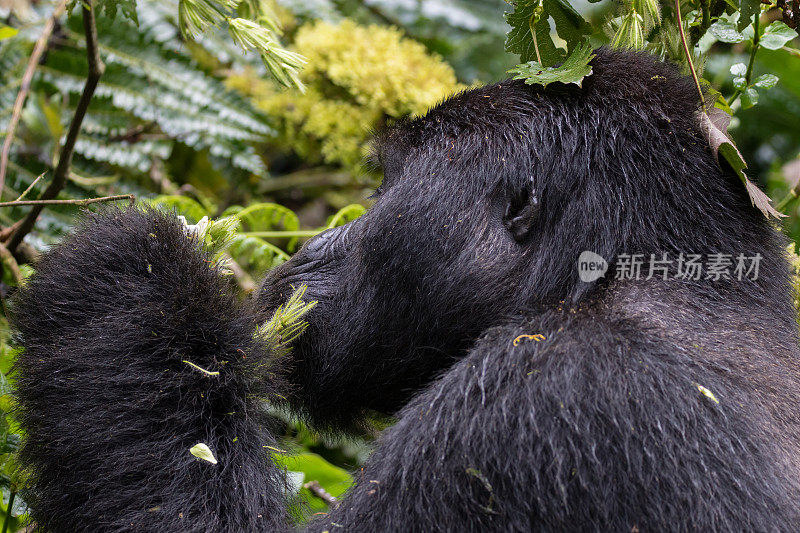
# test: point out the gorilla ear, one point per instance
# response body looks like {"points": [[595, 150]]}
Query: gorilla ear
{"points": [[521, 213]]}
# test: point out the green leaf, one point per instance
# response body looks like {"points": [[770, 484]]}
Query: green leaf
{"points": [[740, 83], [202, 451], [766, 81], [267, 216], [255, 253], [6, 32], [714, 124], [530, 15], [749, 98], [183, 205], [573, 70], [109, 8], [570, 25], [747, 10], [346, 214], [333, 479], [777, 35], [739, 69], [725, 31], [630, 33]]}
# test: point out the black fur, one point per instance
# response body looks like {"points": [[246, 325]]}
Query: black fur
{"points": [[109, 407], [487, 202]]}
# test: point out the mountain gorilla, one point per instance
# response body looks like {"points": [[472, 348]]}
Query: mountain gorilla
{"points": [[526, 398]]}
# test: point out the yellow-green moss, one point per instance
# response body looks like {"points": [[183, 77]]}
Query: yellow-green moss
{"points": [[357, 78]]}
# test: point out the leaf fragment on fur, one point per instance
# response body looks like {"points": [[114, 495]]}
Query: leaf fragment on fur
{"points": [[538, 337], [714, 123], [574, 69], [209, 373], [707, 393], [202, 451]]}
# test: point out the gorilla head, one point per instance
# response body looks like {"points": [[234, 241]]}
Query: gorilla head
{"points": [[485, 206]]}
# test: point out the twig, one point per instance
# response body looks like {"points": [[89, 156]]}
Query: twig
{"points": [[5, 233], [316, 489], [753, 50], [302, 234], [96, 68], [25, 86], [688, 54], [31, 186], [243, 279], [8, 510], [307, 178], [78, 202], [12, 265]]}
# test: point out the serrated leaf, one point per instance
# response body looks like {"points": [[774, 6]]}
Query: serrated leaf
{"points": [[725, 31], [530, 15], [573, 70], [714, 124], [766, 81], [740, 83], [202, 451], [776, 35], [747, 10], [749, 98], [109, 9]]}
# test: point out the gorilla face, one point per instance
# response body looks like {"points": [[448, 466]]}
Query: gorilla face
{"points": [[486, 204], [408, 286]]}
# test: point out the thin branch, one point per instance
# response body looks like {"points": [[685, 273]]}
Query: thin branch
{"points": [[688, 54], [302, 234], [9, 262], [5, 233], [8, 509], [77, 202], [307, 178], [25, 86], [96, 68], [243, 279], [31, 186], [316, 489]]}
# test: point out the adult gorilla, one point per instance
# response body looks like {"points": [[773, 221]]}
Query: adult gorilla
{"points": [[528, 399]]}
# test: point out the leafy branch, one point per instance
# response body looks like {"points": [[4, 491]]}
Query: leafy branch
{"points": [[749, 73], [77, 201], [96, 69]]}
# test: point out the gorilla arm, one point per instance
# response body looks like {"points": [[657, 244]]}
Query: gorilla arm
{"points": [[599, 426], [135, 350]]}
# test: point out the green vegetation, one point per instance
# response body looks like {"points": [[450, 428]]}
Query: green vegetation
{"points": [[259, 114]]}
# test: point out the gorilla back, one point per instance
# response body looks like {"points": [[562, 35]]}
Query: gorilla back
{"points": [[526, 398]]}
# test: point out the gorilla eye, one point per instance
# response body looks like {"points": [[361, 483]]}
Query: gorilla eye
{"points": [[521, 214]]}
